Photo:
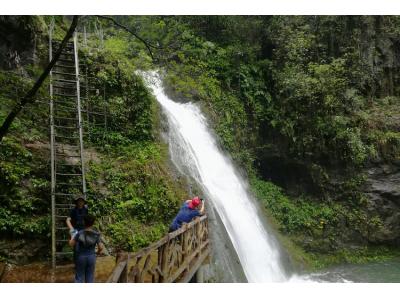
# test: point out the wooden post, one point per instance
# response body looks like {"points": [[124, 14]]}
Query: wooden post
{"points": [[199, 238], [184, 240], [163, 253], [200, 275], [137, 274], [124, 273]]}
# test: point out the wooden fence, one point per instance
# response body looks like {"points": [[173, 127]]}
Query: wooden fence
{"points": [[174, 258]]}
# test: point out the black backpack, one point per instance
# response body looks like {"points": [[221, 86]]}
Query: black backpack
{"points": [[88, 238]]}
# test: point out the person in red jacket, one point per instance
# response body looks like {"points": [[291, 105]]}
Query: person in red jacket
{"points": [[190, 209]]}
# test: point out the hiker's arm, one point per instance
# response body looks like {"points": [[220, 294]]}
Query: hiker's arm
{"points": [[100, 248], [202, 209], [68, 221], [72, 242]]}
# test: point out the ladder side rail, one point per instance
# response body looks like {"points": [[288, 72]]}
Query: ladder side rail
{"points": [[78, 103], [52, 155]]}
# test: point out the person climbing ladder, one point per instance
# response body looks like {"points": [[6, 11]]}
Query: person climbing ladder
{"points": [[76, 216]]}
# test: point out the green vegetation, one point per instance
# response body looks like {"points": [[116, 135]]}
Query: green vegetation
{"points": [[132, 192], [315, 228], [359, 255], [299, 95]]}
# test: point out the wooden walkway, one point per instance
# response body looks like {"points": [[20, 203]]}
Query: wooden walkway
{"points": [[174, 258]]}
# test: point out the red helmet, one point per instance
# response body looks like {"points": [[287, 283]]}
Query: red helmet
{"points": [[194, 203]]}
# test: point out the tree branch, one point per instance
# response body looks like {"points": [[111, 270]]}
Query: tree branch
{"points": [[146, 43], [32, 92]]}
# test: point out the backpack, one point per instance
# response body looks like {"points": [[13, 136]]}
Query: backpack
{"points": [[88, 239]]}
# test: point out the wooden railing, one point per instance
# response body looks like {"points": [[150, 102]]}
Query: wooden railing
{"points": [[174, 258]]}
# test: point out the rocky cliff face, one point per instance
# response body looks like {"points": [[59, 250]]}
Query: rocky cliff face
{"points": [[382, 189], [18, 39]]}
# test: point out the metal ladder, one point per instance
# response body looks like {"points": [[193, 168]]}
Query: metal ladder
{"points": [[66, 143], [93, 100]]}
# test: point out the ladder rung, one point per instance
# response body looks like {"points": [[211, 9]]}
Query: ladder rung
{"points": [[67, 137], [67, 165], [56, 42], [64, 80], [62, 241], [64, 253], [64, 102], [69, 184], [66, 60], [64, 66], [68, 44], [63, 206], [66, 147], [67, 208], [68, 47], [68, 174], [64, 194], [97, 113], [64, 87], [66, 155], [65, 108], [63, 73], [64, 118], [64, 95], [66, 127], [66, 51], [62, 217], [70, 147], [93, 112]]}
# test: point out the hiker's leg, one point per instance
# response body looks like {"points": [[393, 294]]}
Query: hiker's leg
{"points": [[80, 266], [90, 268], [75, 257]]}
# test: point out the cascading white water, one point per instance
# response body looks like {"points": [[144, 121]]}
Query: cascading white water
{"points": [[258, 255]]}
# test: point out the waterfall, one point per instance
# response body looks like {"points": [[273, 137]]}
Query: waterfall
{"points": [[194, 150]]}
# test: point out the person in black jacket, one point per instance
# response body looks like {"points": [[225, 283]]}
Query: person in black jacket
{"points": [[75, 220]]}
